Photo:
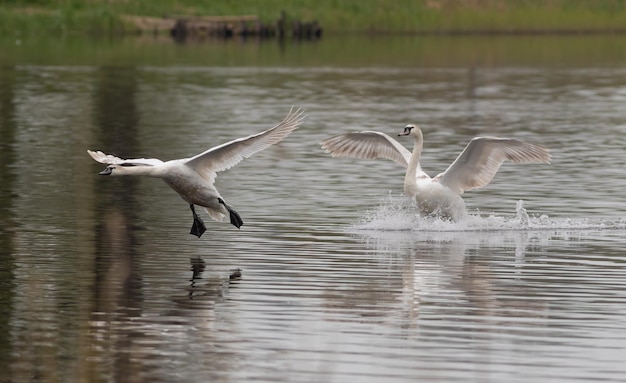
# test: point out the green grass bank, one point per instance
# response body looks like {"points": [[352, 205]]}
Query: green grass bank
{"points": [[28, 17]]}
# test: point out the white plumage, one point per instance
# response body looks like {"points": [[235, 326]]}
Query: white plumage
{"points": [[474, 168], [193, 178]]}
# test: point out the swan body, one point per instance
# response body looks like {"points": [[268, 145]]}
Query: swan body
{"points": [[193, 178], [436, 199], [474, 168]]}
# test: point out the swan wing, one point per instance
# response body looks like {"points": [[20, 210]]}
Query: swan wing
{"points": [[367, 144], [109, 159], [227, 155], [479, 162]]}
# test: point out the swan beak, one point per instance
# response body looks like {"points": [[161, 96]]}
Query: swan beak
{"points": [[106, 171]]}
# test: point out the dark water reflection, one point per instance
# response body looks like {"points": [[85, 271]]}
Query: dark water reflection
{"points": [[340, 281], [7, 218]]}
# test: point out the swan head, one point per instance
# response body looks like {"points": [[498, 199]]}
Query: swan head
{"points": [[122, 170], [108, 171], [411, 130]]}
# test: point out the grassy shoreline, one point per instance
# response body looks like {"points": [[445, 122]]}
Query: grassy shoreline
{"points": [[32, 17], [348, 51]]}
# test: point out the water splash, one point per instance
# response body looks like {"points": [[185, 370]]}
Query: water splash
{"points": [[522, 214], [398, 213]]}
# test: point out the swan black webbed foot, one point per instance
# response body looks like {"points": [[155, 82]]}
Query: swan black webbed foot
{"points": [[198, 227], [235, 218]]}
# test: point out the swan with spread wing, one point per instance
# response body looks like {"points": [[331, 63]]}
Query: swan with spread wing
{"points": [[474, 168], [193, 178]]}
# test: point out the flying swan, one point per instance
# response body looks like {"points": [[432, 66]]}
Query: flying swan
{"points": [[193, 178], [474, 168]]}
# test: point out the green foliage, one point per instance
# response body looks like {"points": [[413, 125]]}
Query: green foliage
{"points": [[104, 16]]}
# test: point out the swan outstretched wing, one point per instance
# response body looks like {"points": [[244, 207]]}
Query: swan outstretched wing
{"points": [[109, 159], [227, 155], [479, 162], [368, 145]]}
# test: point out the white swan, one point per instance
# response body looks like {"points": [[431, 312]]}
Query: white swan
{"points": [[193, 178], [474, 168]]}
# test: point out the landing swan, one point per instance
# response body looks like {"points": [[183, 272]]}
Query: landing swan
{"points": [[193, 178], [474, 168]]}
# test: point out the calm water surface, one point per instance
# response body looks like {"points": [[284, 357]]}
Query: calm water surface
{"points": [[341, 281]]}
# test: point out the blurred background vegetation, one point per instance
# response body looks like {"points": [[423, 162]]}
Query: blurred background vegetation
{"points": [[26, 17]]}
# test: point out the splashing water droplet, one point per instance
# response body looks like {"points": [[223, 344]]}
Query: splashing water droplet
{"points": [[522, 214], [400, 214]]}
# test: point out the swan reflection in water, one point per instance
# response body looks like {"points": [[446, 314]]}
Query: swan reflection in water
{"points": [[198, 265], [473, 276]]}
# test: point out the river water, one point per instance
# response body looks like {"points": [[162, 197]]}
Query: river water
{"points": [[340, 279]]}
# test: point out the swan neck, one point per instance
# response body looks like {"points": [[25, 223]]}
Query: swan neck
{"points": [[135, 171], [414, 164]]}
